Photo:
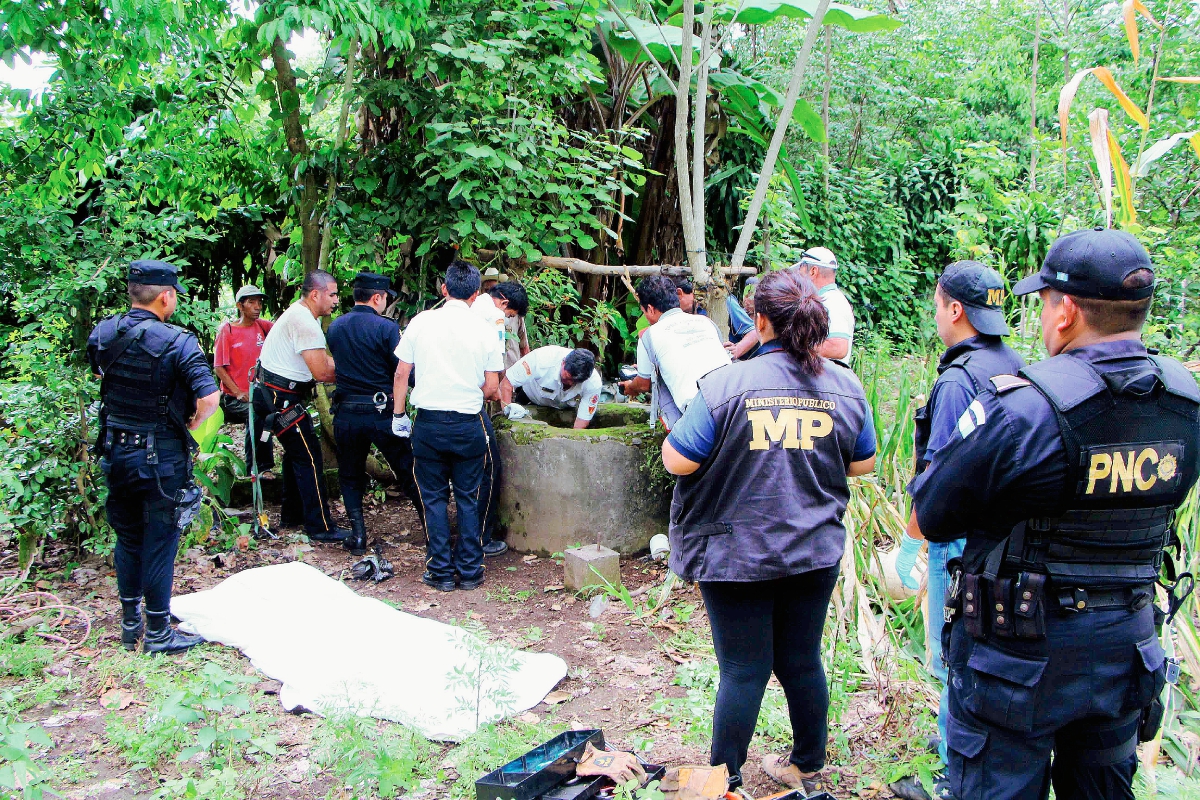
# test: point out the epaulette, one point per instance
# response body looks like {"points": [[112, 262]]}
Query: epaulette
{"points": [[1006, 383]]}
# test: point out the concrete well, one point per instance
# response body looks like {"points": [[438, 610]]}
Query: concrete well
{"points": [[564, 487]]}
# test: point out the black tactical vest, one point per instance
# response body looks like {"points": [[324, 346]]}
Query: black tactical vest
{"points": [[979, 364], [136, 391], [768, 502], [1131, 440]]}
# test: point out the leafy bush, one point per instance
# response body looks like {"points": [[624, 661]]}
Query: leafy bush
{"points": [[23, 660], [367, 759], [49, 488]]}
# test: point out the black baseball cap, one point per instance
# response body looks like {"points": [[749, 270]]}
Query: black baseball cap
{"points": [[1091, 263], [155, 273], [375, 282], [980, 289]]}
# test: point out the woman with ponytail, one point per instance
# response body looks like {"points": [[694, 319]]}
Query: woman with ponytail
{"points": [[763, 453]]}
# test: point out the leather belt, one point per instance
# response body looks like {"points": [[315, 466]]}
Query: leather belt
{"points": [[1134, 598]]}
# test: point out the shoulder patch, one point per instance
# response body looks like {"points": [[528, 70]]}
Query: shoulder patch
{"points": [[1006, 383]]}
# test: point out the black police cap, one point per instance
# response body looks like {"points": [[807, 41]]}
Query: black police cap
{"points": [[1092, 263], [374, 281], [980, 289], [148, 272]]}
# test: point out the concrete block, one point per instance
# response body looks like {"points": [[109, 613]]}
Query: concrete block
{"points": [[562, 486], [581, 561]]}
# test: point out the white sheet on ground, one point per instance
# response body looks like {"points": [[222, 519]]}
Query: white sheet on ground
{"points": [[334, 649]]}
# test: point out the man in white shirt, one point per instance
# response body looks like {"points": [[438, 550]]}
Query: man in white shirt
{"points": [[819, 265], [292, 361], [495, 305], [675, 351], [556, 377], [457, 366]]}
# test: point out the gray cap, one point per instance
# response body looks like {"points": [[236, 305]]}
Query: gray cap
{"points": [[247, 291]]}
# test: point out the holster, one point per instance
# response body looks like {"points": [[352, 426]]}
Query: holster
{"points": [[1151, 720]]}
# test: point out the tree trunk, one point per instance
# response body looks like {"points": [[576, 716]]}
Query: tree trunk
{"points": [[289, 104], [825, 101], [785, 116], [331, 191], [1033, 83]]}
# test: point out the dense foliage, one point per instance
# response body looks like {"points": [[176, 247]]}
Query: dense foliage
{"points": [[515, 129]]}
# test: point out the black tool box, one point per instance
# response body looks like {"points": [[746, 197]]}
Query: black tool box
{"points": [[548, 772]]}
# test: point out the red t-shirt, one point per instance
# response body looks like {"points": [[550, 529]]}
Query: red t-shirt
{"points": [[237, 349]]}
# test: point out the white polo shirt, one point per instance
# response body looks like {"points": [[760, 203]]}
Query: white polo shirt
{"points": [[295, 331], [680, 348], [451, 347], [539, 375], [485, 307], [841, 315]]}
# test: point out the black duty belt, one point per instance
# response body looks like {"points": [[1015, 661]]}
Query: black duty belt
{"points": [[280, 383], [140, 439], [1133, 598], [364, 399]]}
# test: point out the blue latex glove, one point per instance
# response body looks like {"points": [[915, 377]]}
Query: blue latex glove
{"points": [[907, 560]]}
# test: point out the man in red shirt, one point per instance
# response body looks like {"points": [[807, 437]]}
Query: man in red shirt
{"points": [[234, 355]]}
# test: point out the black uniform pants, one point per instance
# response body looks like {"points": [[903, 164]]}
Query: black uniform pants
{"points": [[238, 411], [357, 426], [490, 491], [142, 510], [304, 495], [451, 447], [1078, 694], [760, 627]]}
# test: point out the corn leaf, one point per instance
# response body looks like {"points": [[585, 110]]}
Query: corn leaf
{"points": [[1067, 96], [1128, 214], [1130, 11], [1183, 79], [1099, 133], [1141, 167]]}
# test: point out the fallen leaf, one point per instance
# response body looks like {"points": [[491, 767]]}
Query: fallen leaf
{"points": [[530, 559], [417, 608], [557, 587], [243, 543], [116, 699], [644, 670], [556, 607], [554, 698], [529, 718]]}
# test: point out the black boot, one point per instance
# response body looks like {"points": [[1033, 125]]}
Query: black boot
{"points": [[162, 638], [334, 535], [356, 543], [131, 622]]}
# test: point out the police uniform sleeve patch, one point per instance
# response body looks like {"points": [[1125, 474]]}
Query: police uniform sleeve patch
{"points": [[1006, 383], [971, 419]]}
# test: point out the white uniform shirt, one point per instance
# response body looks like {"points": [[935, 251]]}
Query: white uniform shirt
{"points": [[539, 375], [451, 348], [841, 316], [485, 307], [681, 348], [295, 331]]}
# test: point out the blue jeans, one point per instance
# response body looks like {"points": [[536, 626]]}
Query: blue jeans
{"points": [[940, 554], [449, 447]]}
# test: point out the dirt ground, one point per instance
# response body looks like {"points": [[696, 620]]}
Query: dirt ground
{"points": [[617, 667]]}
